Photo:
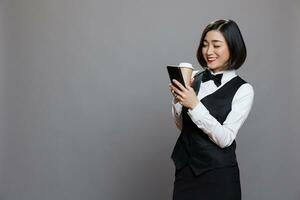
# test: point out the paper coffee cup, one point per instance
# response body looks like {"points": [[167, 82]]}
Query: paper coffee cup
{"points": [[186, 70]]}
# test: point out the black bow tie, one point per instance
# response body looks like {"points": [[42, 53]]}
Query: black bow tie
{"points": [[208, 76]]}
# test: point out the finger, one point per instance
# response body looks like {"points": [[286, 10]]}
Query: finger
{"points": [[179, 99], [171, 89], [179, 85], [174, 94], [177, 91]]}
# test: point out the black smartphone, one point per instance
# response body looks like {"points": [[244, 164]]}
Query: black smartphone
{"points": [[175, 73]]}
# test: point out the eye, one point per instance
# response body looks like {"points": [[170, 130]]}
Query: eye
{"points": [[216, 46], [204, 45]]}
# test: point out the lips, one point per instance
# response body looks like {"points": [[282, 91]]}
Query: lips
{"points": [[210, 60]]}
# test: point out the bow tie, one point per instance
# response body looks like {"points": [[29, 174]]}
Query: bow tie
{"points": [[208, 76]]}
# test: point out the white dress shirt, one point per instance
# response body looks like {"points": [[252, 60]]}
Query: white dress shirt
{"points": [[221, 134]]}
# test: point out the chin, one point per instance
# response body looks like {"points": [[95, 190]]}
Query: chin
{"points": [[212, 68], [215, 68]]}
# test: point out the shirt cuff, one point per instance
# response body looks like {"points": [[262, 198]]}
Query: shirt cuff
{"points": [[198, 113], [177, 107]]}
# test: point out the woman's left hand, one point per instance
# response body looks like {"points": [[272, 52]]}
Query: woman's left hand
{"points": [[185, 96]]}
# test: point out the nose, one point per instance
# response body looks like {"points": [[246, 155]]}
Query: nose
{"points": [[209, 50]]}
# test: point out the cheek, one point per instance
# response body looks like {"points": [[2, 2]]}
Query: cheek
{"points": [[203, 53], [224, 53]]}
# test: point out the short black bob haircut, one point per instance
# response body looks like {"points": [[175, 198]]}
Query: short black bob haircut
{"points": [[232, 34]]}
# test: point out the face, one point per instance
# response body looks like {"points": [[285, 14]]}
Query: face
{"points": [[215, 51]]}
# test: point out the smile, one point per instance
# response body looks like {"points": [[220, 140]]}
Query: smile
{"points": [[210, 60]]}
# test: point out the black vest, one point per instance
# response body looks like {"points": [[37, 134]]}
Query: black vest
{"points": [[193, 147]]}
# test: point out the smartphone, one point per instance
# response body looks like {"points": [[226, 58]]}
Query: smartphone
{"points": [[175, 73]]}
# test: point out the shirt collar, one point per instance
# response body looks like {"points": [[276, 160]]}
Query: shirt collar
{"points": [[227, 75]]}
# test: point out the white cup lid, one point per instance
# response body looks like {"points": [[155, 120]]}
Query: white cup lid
{"points": [[185, 64]]}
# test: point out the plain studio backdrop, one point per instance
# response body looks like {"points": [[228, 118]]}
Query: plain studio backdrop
{"points": [[85, 110]]}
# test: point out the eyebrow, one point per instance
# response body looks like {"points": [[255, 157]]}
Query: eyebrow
{"points": [[213, 41]]}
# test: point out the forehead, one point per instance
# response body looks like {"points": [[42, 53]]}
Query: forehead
{"points": [[214, 36]]}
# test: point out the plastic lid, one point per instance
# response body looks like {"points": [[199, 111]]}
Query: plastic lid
{"points": [[185, 64]]}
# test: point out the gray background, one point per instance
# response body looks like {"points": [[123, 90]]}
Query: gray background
{"points": [[84, 103]]}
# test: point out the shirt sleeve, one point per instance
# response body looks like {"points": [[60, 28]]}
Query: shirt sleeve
{"points": [[176, 113], [224, 134]]}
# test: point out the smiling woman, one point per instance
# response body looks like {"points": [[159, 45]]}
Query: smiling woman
{"points": [[209, 114]]}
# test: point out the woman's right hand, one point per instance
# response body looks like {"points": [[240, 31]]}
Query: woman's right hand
{"points": [[173, 92]]}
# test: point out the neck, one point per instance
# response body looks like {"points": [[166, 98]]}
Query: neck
{"points": [[217, 70]]}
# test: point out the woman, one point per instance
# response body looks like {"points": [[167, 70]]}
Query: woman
{"points": [[209, 114]]}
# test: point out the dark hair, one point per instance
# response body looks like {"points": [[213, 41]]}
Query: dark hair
{"points": [[233, 37]]}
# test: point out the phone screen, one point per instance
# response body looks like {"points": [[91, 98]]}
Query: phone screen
{"points": [[175, 73]]}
